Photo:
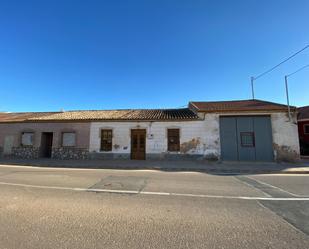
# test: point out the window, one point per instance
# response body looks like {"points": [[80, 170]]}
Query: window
{"points": [[106, 140], [306, 128], [27, 138], [247, 139], [68, 139], [173, 143]]}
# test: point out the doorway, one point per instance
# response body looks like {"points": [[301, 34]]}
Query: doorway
{"points": [[246, 138], [46, 144], [138, 144]]}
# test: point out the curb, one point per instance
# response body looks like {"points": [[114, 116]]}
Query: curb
{"points": [[178, 169]]}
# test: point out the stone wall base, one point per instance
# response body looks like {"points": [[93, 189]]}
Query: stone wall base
{"points": [[26, 152], [150, 156], [109, 156], [70, 153]]}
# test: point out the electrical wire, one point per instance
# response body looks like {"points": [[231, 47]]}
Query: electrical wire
{"points": [[298, 70], [271, 69]]}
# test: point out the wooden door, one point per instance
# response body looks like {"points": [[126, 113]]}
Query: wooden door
{"points": [[138, 144]]}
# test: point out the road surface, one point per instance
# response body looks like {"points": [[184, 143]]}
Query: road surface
{"points": [[97, 208]]}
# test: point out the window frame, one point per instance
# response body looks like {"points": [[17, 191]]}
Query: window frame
{"points": [[110, 147], [33, 139], [306, 126], [68, 146], [251, 133], [176, 144]]}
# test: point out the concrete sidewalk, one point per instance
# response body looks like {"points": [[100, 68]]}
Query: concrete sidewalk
{"points": [[170, 165]]}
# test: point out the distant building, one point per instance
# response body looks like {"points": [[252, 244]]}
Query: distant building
{"points": [[303, 129], [243, 130]]}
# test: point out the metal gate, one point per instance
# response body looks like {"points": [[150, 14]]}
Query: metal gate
{"points": [[246, 138]]}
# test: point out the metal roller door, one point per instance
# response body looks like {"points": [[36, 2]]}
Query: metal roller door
{"points": [[246, 138]]}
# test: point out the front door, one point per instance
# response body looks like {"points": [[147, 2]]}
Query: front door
{"points": [[138, 144], [46, 144]]}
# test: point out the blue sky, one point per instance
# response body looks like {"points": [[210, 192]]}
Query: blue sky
{"points": [[148, 54]]}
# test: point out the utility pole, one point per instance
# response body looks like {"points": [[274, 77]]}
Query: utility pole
{"points": [[274, 67], [287, 96], [252, 87], [287, 87]]}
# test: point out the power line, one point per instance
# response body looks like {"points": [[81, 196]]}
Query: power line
{"points": [[298, 70], [287, 89], [271, 69]]}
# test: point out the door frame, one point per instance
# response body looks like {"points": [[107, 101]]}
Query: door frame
{"points": [[138, 131], [44, 148]]}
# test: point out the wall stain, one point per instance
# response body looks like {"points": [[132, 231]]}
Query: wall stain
{"points": [[190, 145], [285, 153]]}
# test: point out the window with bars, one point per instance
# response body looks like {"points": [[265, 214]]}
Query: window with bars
{"points": [[106, 140], [173, 141], [247, 139]]}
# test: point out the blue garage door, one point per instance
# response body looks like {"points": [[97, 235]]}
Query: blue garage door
{"points": [[246, 138]]}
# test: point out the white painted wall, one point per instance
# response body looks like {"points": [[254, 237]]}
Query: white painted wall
{"points": [[205, 131], [285, 133]]}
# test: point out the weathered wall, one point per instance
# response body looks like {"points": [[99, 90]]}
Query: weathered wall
{"points": [[12, 134], [301, 131], [196, 137], [303, 137], [285, 137]]}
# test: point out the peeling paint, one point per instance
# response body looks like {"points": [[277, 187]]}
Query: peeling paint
{"points": [[190, 145], [285, 153]]}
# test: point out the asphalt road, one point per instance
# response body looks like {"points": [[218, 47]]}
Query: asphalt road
{"points": [[75, 208]]}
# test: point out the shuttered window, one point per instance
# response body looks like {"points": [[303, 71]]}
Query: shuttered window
{"points": [[106, 140], [68, 139], [27, 138], [173, 142]]}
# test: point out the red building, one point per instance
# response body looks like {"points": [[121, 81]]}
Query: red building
{"points": [[303, 129]]}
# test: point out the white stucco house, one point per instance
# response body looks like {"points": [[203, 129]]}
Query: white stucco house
{"points": [[243, 130]]}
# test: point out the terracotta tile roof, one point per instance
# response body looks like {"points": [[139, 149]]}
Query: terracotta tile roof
{"points": [[97, 115], [303, 112], [21, 116], [238, 106]]}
